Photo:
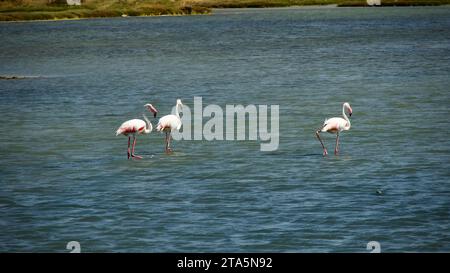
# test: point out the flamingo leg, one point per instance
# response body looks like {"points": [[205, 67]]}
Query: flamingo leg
{"points": [[336, 149], [128, 151], [168, 150], [168, 143], [132, 151], [321, 142]]}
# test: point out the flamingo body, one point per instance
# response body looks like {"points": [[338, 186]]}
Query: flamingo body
{"points": [[334, 125], [169, 123], [131, 127]]}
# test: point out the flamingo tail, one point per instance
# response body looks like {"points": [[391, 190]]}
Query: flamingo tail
{"points": [[159, 127]]}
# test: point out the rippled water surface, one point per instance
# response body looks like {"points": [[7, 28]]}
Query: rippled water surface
{"points": [[64, 174]]}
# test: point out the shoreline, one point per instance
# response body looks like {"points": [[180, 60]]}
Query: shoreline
{"points": [[99, 18], [34, 16]]}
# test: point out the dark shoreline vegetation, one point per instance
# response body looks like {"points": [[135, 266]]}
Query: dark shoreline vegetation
{"points": [[19, 10]]}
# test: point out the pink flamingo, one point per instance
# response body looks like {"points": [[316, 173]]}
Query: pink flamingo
{"points": [[168, 123], [335, 126], [134, 127]]}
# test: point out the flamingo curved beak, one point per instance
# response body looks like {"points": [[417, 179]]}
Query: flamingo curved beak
{"points": [[152, 109]]}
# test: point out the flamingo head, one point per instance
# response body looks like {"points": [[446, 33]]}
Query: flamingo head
{"points": [[152, 109], [349, 108]]}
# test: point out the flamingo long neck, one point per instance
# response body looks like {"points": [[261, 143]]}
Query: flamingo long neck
{"points": [[176, 111], [346, 118], [149, 126]]}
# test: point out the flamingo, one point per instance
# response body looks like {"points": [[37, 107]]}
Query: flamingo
{"points": [[335, 126], [134, 127], [168, 123]]}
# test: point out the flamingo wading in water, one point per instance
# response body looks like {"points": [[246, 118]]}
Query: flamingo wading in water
{"points": [[135, 127], [335, 126], [168, 123]]}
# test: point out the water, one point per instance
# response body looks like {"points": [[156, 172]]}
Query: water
{"points": [[64, 175]]}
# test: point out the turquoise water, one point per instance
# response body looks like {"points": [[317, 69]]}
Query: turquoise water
{"points": [[64, 175]]}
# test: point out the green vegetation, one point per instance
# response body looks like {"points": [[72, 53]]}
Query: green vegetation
{"points": [[13, 10]]}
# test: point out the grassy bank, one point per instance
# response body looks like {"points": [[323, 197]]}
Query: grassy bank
{"points": [[13, 10]]}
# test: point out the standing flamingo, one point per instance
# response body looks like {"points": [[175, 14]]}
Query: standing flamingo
{"points": [[168, 123], [134, 127], [335, 126]]}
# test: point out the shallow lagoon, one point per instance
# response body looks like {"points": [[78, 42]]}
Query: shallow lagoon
{"points": [[64, 175]]}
